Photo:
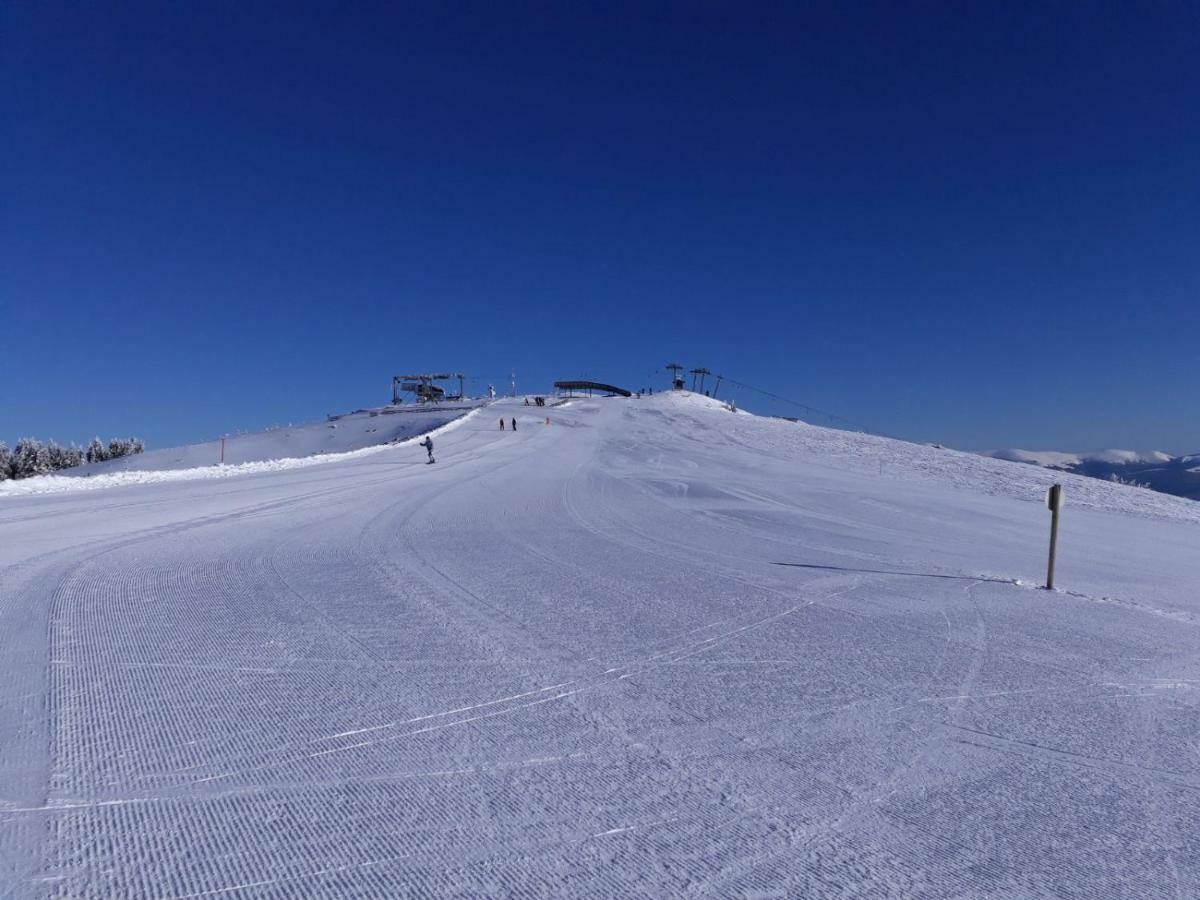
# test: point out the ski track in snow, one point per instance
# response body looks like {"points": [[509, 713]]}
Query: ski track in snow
{"points": [[651, 649]]}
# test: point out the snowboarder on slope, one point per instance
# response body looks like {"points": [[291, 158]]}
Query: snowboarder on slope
{"points": [[428, 445]]}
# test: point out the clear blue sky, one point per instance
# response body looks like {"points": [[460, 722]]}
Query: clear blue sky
{"points": [[951, 222]]}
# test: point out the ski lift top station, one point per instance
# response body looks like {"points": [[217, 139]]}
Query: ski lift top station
{"points": [[423, 387]]}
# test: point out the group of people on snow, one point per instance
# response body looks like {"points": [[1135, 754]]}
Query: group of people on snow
{"points": [[428, 442]]}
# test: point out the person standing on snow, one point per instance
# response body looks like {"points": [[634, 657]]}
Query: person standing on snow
{"points": [[514, 423], [502, 423], [428, 445]]}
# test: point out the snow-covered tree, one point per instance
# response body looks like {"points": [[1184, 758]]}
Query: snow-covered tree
{"points": [[30, 458], [63, 457], [54, 456], [95, 451], [119, 447]]}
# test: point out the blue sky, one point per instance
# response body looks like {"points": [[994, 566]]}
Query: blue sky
{"points": [[961, 223]]}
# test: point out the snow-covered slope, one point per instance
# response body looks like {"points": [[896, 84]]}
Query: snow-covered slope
{"points": [[1149, 468], [338, 434], [437, 423], [649, 649]]}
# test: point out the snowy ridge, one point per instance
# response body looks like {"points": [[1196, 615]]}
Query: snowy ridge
{"points": [[1049, 458], [1129, 456], [1056, 459], [1146, 468]]}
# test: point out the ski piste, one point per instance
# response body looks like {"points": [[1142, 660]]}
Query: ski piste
{"points": [[658, 649]]}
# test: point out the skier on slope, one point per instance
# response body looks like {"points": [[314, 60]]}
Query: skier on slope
{"points": [[428, 445]]}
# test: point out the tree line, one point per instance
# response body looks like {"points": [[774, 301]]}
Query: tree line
{"points": [[31, 457]]}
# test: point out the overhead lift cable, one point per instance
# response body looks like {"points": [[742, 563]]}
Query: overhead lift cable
{"points": [[809, 410]]}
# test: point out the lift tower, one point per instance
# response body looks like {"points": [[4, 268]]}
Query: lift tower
{"points": [[701, 372], [676, 381]]}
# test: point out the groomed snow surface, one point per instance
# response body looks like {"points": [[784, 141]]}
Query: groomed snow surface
{"points": [[650, 649]]}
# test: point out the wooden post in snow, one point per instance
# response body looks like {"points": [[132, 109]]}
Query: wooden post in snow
{"points": [[1054, 502]]}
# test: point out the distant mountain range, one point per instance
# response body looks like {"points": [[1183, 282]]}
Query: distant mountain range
{"points": [[1179, 475]]}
